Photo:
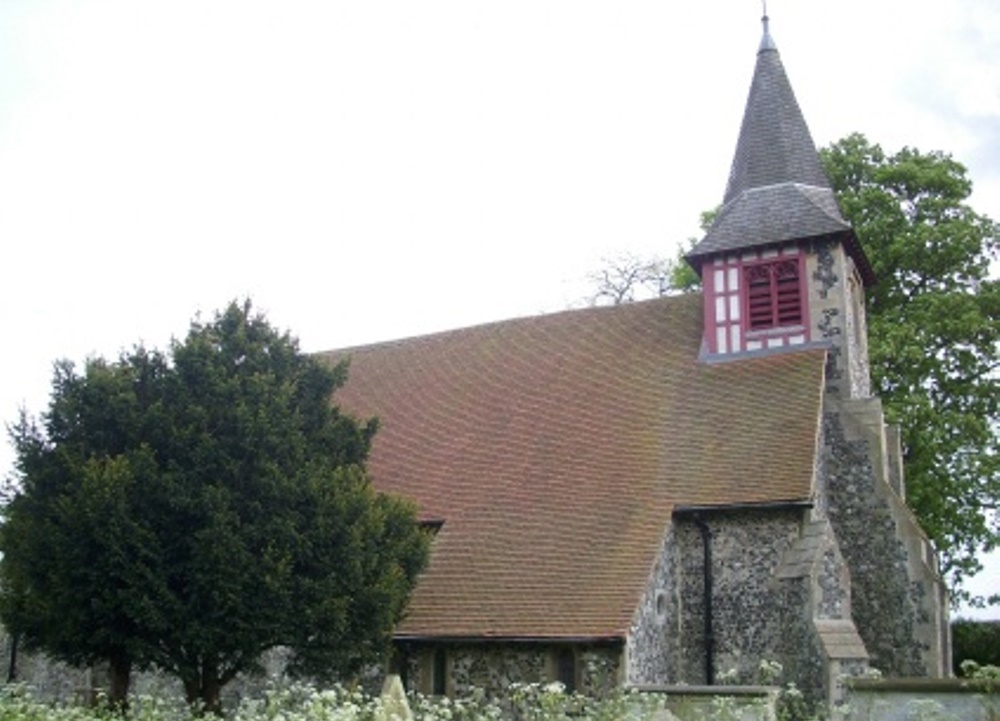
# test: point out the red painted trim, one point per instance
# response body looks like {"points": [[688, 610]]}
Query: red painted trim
{"points": [[774, 331], [708, 310], [804, 294], [711, 295]]}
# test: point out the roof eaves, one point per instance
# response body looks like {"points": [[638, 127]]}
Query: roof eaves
{"points": [[706, 357], [611, 638], [768, 215], [722, 508], [860, 258]]}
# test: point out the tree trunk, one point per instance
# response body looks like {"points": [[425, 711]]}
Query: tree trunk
{"points": [[192, 692], [211, 698], [121, 678], [12, 668], [204, 692], [118, 682]]}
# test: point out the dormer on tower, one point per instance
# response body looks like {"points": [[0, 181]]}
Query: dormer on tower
{"points": [[780, 267]]}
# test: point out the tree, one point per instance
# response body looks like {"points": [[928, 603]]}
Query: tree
{"points": [[934, 339], [976, 641], [630, 278], [191, 511], [74, 552]]}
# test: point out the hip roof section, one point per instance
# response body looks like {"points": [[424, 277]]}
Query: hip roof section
{"points": [[772, 214]]}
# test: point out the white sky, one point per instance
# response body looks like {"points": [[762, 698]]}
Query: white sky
{"points": [[383, 168]]}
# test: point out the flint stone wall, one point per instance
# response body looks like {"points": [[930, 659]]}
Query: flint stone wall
{"points": [[654, 638], [756, 616], [52, 681], [894, 609], [493, 667]]}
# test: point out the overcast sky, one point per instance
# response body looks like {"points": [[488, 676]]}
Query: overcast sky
{"points": [[374, 169]]}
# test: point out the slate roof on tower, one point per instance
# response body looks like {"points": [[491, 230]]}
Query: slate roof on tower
{"points": [[554, 449], [774, 144], [777, 189]]}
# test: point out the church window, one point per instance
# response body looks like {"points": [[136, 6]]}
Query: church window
{"points": [[773, 294]]}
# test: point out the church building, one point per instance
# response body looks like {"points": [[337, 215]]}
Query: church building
{"points": [[660, 492]]}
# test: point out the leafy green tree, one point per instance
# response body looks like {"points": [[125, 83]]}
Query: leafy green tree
{"points": [[934, 335], [681, 277], [977, 641], [191, 511], [73, 552]]}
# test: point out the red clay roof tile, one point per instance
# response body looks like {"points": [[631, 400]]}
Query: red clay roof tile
{"points": [[554, 448]]}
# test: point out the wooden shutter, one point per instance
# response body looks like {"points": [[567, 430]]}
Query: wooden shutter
{"points": [[774, 295]]}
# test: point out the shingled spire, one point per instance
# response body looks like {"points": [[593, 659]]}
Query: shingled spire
{"points": [[774, 144], [779, 263], [777, 190]]}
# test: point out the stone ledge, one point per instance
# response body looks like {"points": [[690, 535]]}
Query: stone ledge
{"points": [[702, 690], [925, 685]]}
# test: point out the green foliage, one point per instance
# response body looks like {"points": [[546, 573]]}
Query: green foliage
{"points": [[302, 702], [190, 511], [985, 680], [681, 277], [69, 531], [934, 338], [975, 641]]}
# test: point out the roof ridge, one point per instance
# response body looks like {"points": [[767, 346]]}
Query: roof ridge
{"points": [[484, 325], [807, 192]]}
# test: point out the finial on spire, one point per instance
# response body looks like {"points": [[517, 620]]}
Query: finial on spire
{"points": [[766, 42]]}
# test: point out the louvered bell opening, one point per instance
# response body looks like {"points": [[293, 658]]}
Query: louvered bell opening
{"points": [[760, 306], [774, 296], [788, 293]]}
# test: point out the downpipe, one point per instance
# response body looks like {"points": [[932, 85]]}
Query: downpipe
{"points": [[709, 634]]}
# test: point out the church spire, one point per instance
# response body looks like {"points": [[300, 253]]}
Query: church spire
{"points": [[777, 190], [774, 144], [765, 285]]}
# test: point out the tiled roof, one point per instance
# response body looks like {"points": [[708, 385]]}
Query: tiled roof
{"points": [[772, 214], [554, 448]]}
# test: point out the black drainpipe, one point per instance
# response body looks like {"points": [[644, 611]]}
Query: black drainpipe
{"points": [[12, 666], [706, 541]]}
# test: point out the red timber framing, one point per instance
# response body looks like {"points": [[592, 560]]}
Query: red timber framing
{"points": [[755, 301]]}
